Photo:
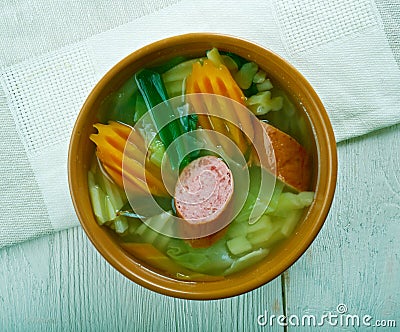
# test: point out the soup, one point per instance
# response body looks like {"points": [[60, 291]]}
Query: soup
{"points": [[213, 122]]}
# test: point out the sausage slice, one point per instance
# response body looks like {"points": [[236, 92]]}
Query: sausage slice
{"points": [[202, 196], [292, 161]]}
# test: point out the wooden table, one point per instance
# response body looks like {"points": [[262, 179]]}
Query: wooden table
{"points": [[60, 283]]}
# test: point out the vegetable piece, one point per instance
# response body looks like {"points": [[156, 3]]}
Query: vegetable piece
{"points": [[267, 239], [179, 72], [208, 78], [290, 222], [106, 197], [292, 161], [116, 194], [156, 259], [255, 204], [265, 85], [273, 203], [266, 230], [236, 58], [289, 202], [97, 197], [259, 77], [239, 245], [230, 64], [156, 150], [217, 59], [244, 77], [214, 56], [213, 260], [260, 226], [175, 88], [247, 260], [110, 210], [153, 91], [111, 140], [121, 225], [236, 229], [133, 225], [150, 231], [261, 103]]}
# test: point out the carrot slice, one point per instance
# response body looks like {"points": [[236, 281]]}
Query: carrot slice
{"points": [[208, 78], [111, 141]]}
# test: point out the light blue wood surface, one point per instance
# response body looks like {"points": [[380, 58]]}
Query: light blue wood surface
{"points": [[60, 283]]}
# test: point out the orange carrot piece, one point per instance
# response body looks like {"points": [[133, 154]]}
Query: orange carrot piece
{"points": [[208, 78], [111, 140]]}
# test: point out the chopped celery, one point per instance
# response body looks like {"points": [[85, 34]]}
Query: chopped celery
{"points": [[263, 224], [175, 88], [146, 234], [259, 77], [121, 225], [106, 197], [290, 221], [262, 102], [97, 198], [265, 85], [116, 195], [230, 63], [146, 229], [244, 77], [157, 151], [236, 58], [263, 237], [110, 211], [91, 180], [164, 239], [247, 260], [179, 72], [239, 245], [289, 202], [236, 229], [214, 56], [159, 221], [217, 59], [273, 203], [266, 240], [252, 90]]}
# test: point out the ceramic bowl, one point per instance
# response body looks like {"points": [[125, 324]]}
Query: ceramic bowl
{"points": [[323, 148]]}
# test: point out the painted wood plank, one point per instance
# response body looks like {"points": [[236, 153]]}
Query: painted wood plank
{"points": [[355, 260], [60, 283]]}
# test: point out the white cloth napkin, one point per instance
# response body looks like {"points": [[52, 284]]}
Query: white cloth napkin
{"points": [[346, 49]]}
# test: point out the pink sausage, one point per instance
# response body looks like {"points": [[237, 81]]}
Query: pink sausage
{"points": [[202, 194]]}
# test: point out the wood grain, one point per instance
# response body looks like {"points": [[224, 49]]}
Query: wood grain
{"points": [[355, 260], [60, 283]]}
